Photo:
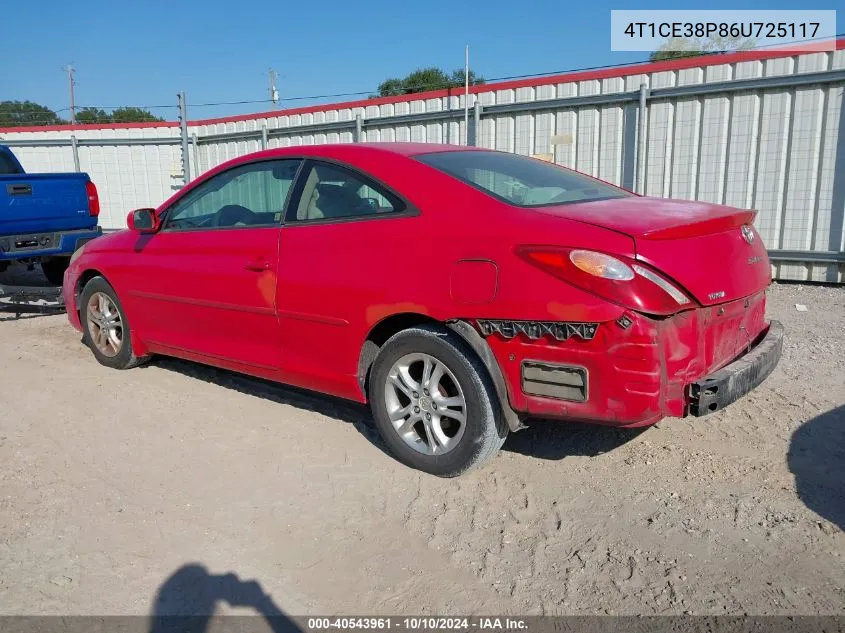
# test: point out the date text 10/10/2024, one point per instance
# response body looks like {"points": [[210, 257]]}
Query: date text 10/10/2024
{"points": [[418, 623]]}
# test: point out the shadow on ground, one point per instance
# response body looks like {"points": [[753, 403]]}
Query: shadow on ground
{"points": [[554, 440], [357, 415], [817, 460], [186, 601], [542, 439]]}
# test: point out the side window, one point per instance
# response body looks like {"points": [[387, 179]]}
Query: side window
{"points": [[250, 195], [332, 192], [7, 165]]}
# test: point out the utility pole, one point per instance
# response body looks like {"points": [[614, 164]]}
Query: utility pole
{"points": [[71, 82], [183, 132], [466, 96], [274, 94]]}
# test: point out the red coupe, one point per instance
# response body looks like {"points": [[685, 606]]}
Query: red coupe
{"points": [[457, 290]]}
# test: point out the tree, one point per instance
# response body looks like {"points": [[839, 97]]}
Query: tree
{"points": [[679, 47], [24, 113], [423, 79], [118, 115], [21, 113], [133, 115], [92, 115]]}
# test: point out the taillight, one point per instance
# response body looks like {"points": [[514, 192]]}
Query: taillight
{"points": [[611, 277], [93, 199], [601, 265]]}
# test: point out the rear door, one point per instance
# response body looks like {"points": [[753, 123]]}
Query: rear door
{"points": [[206, 282]]}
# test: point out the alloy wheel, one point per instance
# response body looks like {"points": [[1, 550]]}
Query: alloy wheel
{"points": [[426, 404], [104, 324]]}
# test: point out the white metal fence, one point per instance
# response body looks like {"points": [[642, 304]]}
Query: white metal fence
{"points": [[750, 130]]}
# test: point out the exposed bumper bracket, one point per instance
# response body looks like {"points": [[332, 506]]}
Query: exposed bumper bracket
{"points": [[733, 381], [474, 339]]}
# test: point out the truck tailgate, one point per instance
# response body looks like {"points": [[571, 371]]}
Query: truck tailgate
{"points": [[30, 203]]}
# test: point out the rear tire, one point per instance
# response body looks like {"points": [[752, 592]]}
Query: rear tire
{"points": [[54, 269], [452, 421], [105, 328]]}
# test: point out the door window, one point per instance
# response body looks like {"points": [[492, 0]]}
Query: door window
{"points": [[250, 195], [332, 192], [8, 166]]}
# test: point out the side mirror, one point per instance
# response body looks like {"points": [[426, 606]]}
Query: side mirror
{"points": [[143, 221]]}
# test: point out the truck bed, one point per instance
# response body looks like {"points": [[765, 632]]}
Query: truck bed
{"points": [[36, 203]]}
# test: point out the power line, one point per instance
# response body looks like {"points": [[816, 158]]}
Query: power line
{"points": [[416, 87], [440, 85]]}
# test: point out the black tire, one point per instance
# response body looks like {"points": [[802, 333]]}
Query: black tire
{"points": [[485, 428], [54, 269], [125, 357]]}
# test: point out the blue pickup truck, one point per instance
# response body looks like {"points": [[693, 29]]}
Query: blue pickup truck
{"points": [[44, 218]]}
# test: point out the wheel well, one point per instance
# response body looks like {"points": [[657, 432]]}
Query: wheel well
{"points": [[386, 328], [84, 278], [378, 336]]}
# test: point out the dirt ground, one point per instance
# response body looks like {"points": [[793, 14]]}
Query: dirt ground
{"points": [[173, 488]]}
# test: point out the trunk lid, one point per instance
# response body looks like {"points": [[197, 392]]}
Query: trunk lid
{"points": [[702, 247], [30, 203]]}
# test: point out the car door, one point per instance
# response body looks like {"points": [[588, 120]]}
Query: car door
{"points": [[206, 284], [338, 255]]}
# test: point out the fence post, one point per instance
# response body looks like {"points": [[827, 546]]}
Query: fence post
{"points": [[476, 124], [359, 128], [264, 136], [641, 140], [183, 131], [196, 153], [75, 145]]}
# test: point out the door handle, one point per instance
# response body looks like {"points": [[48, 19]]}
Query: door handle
{"points": [[258, 265], [19, 190]]}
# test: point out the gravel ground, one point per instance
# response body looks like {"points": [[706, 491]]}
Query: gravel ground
{"points": [[175, 487]]}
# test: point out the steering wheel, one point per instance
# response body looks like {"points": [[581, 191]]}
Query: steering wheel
{"points": [[232, 214]]}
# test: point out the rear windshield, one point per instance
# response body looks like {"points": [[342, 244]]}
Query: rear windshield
{"points": [[519, 180], [8, 166]]}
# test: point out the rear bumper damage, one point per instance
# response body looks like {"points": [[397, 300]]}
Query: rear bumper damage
{"points": [[732, 382], [636, 370]]}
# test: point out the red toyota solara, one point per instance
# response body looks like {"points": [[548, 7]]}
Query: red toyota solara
{"points": [[457, 290]]}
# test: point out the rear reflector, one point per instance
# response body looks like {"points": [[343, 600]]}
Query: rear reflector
{"points": [[562, 382]]}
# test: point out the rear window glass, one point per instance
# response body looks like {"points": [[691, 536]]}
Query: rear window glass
{"points": [[519, 180], [8, 166]]}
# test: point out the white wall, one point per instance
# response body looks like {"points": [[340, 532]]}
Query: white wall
{"points": [[774, 150]]}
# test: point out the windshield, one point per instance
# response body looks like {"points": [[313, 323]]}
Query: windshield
{"points": [[519, 180]]}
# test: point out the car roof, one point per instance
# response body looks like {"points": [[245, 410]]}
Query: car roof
{"points": [[411, 149], [345, 149]]}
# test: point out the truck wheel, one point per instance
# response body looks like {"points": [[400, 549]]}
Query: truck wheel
{"points": [[434, 403], [54, 269], [105, 328]]}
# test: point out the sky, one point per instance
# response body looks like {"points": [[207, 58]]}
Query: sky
{"points": [[142, 53]]}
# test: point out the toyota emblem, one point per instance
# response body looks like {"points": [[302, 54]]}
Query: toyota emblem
{"points": [[747, 234]]}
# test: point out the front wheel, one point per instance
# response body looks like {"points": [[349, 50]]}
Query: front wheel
{"points": [[105, 328], [434, 403]]}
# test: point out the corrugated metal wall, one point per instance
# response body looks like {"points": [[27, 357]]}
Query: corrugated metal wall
{"points": [[777, 149]]}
